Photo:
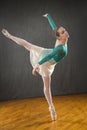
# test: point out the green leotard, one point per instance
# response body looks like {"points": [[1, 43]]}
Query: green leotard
{"points": [[57, 54]]}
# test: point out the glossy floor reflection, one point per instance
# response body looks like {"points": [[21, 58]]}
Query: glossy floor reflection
{"points": [[33, 114]]}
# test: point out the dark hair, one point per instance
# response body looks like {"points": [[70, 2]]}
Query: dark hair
{"points": [[57, 34]]}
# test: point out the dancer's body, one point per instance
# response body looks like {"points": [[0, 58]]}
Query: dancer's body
{"points": [[44, 60]]}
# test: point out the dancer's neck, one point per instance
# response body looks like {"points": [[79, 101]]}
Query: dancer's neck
{"points": [[61, 42]]}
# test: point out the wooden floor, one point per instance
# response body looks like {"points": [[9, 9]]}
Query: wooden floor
{"points": [[33, 114]]}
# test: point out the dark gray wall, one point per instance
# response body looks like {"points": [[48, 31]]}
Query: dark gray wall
{"points": [[23, 18]]}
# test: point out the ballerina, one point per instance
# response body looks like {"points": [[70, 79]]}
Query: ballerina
{"points": [[43, 60]]}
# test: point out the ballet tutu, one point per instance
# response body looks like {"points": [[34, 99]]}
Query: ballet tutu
{"points": [[47, 68]]}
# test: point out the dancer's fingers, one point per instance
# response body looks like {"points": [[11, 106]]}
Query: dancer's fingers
{"points": [[34, 72], [45, 15], [36, 69]]}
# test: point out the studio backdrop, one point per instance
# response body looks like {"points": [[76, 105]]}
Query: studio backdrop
{"points": [[23, 18]]}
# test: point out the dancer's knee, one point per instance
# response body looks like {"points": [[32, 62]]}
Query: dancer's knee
{"points": [[46, 89]]}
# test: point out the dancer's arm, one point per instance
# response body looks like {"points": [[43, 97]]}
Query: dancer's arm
{"points": [[45, 59], [49, 56], [18, 40], [51, 21]]}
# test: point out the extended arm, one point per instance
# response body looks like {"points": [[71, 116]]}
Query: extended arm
{"points": [[51, 21]]}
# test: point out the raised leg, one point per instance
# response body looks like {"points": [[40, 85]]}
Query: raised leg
{"points": [[48, 96], [21, 41]]}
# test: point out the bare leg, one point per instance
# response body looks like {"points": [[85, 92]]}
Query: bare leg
{"points": [[48, 96], [21, 41]]}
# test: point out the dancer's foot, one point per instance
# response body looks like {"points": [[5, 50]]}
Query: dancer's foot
{"points": [[53, 113], [6, 33], [45, 15]]}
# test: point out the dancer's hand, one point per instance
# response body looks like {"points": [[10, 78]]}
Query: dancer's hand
{"points": [[35, 69], [6, 33]]}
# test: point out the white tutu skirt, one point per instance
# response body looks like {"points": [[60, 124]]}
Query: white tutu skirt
{"points": [[47, 68]]}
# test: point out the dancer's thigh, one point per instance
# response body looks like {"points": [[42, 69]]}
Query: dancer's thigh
{"points": [[37, 49]]}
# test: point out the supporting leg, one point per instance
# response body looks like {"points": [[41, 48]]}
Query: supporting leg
{"points": [[48, 96]]}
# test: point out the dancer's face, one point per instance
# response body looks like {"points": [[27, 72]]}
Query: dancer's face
{"points": [[62, 33]]}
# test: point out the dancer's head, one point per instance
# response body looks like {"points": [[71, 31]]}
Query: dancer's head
{"points": [[61, 33]]}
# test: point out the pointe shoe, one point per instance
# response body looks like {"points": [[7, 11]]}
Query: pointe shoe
{"points": [[45, 15], [53, 113], [6, 33]]}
